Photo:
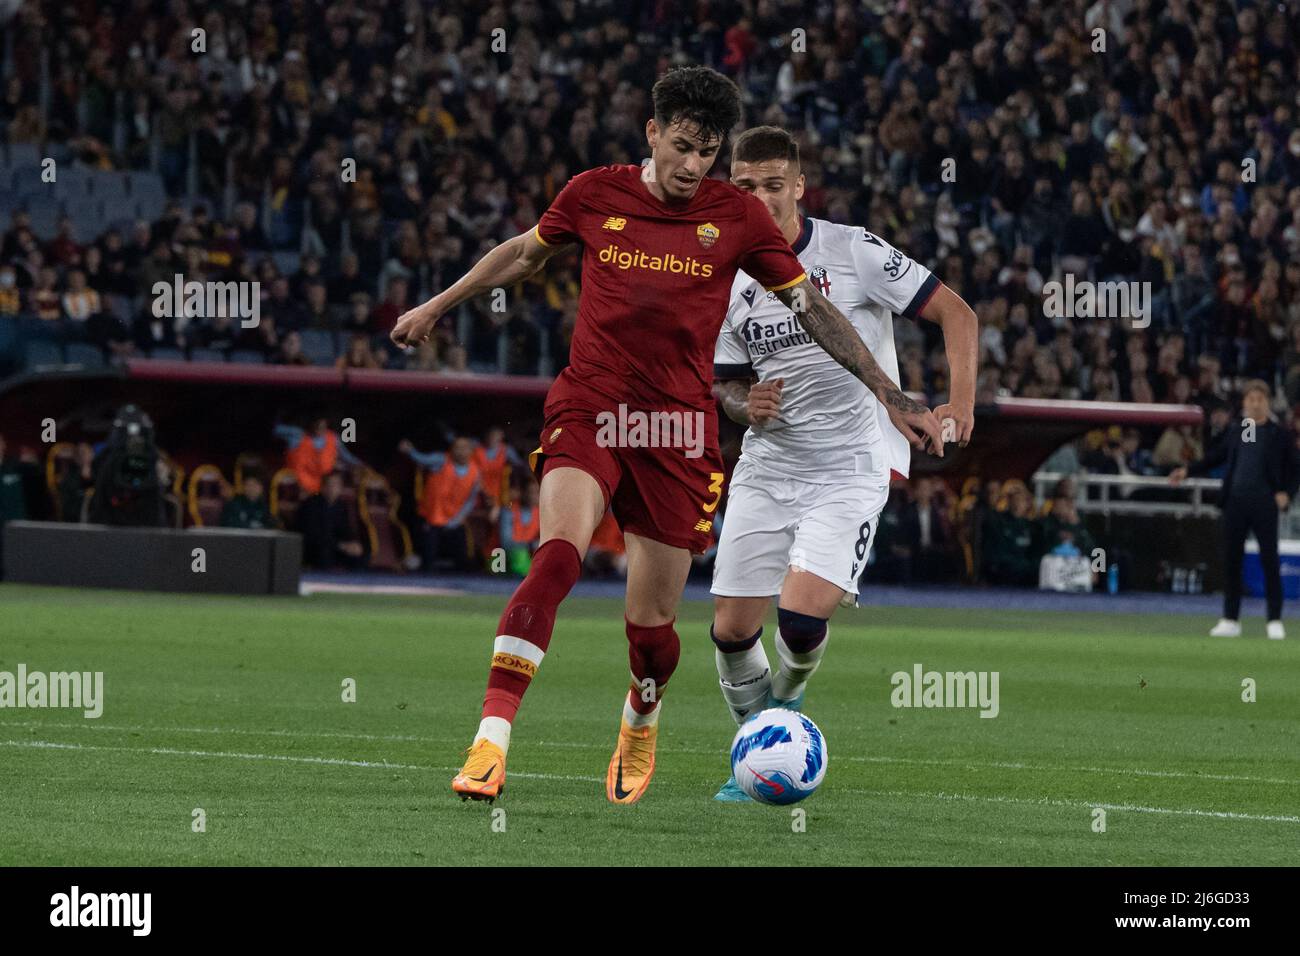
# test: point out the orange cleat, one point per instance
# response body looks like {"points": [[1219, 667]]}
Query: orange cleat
{"points": [[632, 765], [484, 775]]}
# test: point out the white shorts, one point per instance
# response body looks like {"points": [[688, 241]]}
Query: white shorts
{"points": [[773, 523]]}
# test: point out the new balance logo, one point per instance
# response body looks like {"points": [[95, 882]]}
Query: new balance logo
{"points": [[703, 525], [615, 223]]}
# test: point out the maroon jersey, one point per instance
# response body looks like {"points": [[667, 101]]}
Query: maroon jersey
{"points": [[656, 279]]}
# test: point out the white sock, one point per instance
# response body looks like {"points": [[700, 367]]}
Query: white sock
{"points": [[640, 720], [795, 669], [744, 678], [495, 729]]}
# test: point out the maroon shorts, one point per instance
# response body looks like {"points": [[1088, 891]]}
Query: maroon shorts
{"points": [[659, 493]]}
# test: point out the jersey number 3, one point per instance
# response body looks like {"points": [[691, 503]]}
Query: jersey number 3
{"points": [[715, 487]]}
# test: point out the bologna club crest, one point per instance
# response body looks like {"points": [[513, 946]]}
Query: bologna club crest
{"points": [[821, 280]]}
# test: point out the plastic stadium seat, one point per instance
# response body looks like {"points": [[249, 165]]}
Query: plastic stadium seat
{"points": [[119, 306], [318, 346], [27, 179], [45, 212], [73, 183], [208, 493], [286, 261], [207, 355], [247, 462], [9, 201], [163, 352], [390, 541], [89, 356], [149, 194], [8, 338], [62, 457], [119, 207], [39, 354], [24, 154], [286, 495], [247, 357]]}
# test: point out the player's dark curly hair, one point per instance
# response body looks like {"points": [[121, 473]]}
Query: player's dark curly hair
{"points": [[699, 96]]}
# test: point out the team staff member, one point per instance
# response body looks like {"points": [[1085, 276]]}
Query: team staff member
{"points": [[451, 491], [1260, 481]]}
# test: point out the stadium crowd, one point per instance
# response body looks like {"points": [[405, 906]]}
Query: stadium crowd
{"points": [[995, 142]]}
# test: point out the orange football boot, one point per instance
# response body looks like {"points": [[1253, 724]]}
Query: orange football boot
{"points": [[632, 765], [484, 775]]}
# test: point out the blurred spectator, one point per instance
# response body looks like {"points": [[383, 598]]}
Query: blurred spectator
{"points": [[358, 355], [607, 552], [452, 485], [330, 536], [495, 459], [315, 455], [77, 480], [1010, 540], [248, 508], [290, 351], [13, 504], [1063, 532], [520, 526]]}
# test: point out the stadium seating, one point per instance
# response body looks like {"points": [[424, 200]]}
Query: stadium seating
{"points": [[318, 345], [61, 458], [208, 493], [246, 462], [285, 497], [390, 541], [39, 354], [87, 356]]}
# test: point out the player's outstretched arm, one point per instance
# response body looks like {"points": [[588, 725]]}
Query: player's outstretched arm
{"points": [[513, 261], [834, 333], [961, 343]]}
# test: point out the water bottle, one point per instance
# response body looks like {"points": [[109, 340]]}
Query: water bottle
{"points": [[1180, 580], [1112, 578]]}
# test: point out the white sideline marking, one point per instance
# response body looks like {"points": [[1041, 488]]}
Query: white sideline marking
{"points": [[579, 745], [910, 794], [1077, 805], [321, 587], [331, 761]]}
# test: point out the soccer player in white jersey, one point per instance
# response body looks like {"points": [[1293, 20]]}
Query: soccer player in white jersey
{"points": [[817, 459]]}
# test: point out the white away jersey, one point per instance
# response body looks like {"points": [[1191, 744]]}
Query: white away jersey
{"points": [[828, 418]]}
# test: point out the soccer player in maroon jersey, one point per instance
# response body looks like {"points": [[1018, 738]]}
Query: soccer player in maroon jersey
{"points": [[661, 246]]}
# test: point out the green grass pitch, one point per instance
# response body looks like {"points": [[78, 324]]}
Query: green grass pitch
{"points": [[234, 706]]}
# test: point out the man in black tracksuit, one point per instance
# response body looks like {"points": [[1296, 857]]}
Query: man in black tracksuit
{"points": [[1263, 470]]}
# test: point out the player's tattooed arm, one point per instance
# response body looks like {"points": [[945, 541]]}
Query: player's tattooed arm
{"points": [[834, 333], [747, 402], [512, 261], [733, 395]]}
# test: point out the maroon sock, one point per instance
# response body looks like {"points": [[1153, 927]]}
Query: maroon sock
{"points": [[653, 653], [524, 631]]}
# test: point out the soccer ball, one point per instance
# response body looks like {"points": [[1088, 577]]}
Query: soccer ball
{"points": [[779, 756]]}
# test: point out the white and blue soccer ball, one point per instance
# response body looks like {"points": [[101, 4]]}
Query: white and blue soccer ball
{"points": [[779, 756]]}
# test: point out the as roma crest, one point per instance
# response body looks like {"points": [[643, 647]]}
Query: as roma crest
{"points": [[707, 234]]}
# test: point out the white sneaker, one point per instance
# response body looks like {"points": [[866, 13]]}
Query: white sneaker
{"points": [[1276, 631], [1227, 628]]}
